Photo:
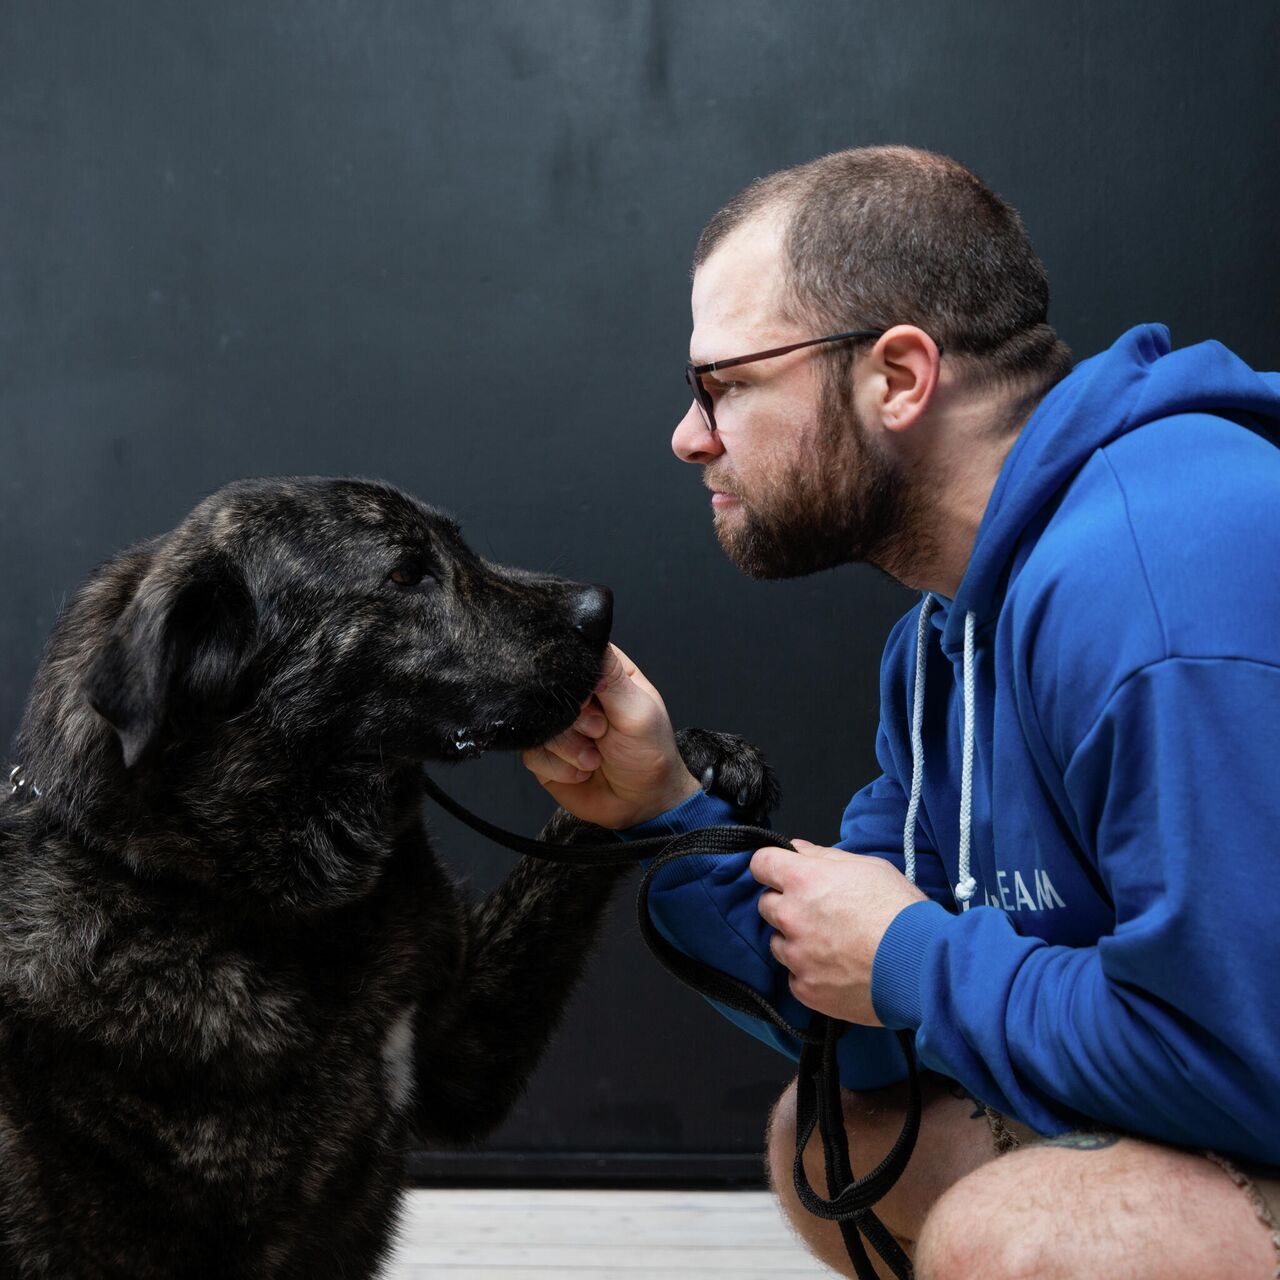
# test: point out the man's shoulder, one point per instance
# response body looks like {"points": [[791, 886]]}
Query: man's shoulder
{"points": [[1156, 551], [1198, 486], [1160, 540]]}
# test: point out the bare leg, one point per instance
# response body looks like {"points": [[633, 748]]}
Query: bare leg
{"points": [[1083, 1206], [952, 1144]]}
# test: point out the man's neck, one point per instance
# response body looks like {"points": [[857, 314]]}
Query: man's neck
{"points": [[955, 483]]}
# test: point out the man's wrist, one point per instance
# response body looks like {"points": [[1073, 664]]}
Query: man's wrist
{"points": [[676, 795], [702, 809]]}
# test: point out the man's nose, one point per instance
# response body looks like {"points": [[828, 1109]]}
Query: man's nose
{"points": [[692, 441]]}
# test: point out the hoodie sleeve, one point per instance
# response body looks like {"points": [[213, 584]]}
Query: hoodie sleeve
{"points": [[706, 906], [1170, 1026]]}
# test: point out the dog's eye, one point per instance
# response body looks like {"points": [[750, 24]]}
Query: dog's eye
{"points": [[409, 574]]}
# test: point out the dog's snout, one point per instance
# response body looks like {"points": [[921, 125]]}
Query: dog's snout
{"points": [[592, 613]]}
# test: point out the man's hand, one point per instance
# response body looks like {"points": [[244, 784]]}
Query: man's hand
{"points": [[618, 763], [830, 910]]}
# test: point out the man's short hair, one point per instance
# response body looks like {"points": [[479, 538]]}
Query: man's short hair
{"points": [[880, 236]]}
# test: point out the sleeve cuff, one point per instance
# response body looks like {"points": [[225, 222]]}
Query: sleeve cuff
{"points": [[895, 971], [699, 810]]}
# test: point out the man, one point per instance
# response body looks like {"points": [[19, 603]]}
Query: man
{"points": [[1066, 884]]}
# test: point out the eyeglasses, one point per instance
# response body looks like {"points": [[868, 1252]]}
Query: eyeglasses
{"points": [[702, 397]]}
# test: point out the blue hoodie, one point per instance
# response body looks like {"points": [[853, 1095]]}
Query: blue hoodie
{"points": [[1102, 937]]}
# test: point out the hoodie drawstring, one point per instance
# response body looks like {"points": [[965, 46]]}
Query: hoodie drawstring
{"points": [[917, 744], [967, 886]]}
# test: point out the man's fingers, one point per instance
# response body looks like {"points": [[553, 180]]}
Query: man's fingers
{"points": [[767, 905], [635, 675], [625, 696], [548, 767], [591, 722], [612, 669], [766, 865], [810, 850], [573, 748], [778, 948]]}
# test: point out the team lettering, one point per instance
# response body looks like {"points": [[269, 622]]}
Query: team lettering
{"points": [[1045, 898]]}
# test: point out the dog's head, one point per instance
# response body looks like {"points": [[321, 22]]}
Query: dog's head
{"points": [[246, 700], [350, 621]]}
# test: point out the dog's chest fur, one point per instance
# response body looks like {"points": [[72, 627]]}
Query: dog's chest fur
{"points": [[163, 1056]]}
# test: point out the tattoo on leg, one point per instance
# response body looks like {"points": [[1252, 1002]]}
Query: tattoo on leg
{"points": [[1083, 1141]]}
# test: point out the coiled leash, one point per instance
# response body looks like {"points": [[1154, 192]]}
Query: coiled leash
{"points": [[818, 1078]]}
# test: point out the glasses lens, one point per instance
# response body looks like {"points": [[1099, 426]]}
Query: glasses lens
{"points": [[701, 397]]}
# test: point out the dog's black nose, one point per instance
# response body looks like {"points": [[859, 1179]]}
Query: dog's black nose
{"points": [[592, 613]]}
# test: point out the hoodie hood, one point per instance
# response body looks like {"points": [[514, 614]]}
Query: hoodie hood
{"points": [[1135, 381]]}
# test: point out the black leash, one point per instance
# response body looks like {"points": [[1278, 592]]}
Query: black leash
{"points": [[818, 1101]]}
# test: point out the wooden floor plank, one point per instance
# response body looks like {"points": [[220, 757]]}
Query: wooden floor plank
{"points": [[591, 1235]]}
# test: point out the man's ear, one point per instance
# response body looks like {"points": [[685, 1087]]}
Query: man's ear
{"points": [[905, 364], [179, 651]]}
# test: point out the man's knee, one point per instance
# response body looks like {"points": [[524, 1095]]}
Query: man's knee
{"points": [[822, 1238], [1130, 1207], [963, 1236], [868, 1117], [780, 1137], [952, 1143], [872, 1119], [865, 1116]]}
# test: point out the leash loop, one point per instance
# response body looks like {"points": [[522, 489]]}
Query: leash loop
{"points": [[818, 1102]]}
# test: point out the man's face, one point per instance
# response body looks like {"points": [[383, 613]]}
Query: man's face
{"points": [[799, 483]]}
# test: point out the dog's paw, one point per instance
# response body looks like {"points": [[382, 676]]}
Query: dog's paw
{"points": [[730, 767]]}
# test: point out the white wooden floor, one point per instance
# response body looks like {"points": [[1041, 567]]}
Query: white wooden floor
{"points": [[591, 1235]]}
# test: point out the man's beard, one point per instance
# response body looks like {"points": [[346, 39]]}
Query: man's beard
{"points": [[843, 500]]}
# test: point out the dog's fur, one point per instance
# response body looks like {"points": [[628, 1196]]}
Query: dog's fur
{"points": [[234, 980]]}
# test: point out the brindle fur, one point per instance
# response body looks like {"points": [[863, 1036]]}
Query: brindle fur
{"points": [[234, 980]]}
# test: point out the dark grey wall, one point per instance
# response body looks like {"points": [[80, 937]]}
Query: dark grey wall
{"points": [[446, 244]]}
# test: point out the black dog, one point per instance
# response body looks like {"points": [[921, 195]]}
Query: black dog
{"points": [[233, 978]]}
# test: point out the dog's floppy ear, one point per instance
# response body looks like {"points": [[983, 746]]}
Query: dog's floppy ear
{"points": [[177, 652]]}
